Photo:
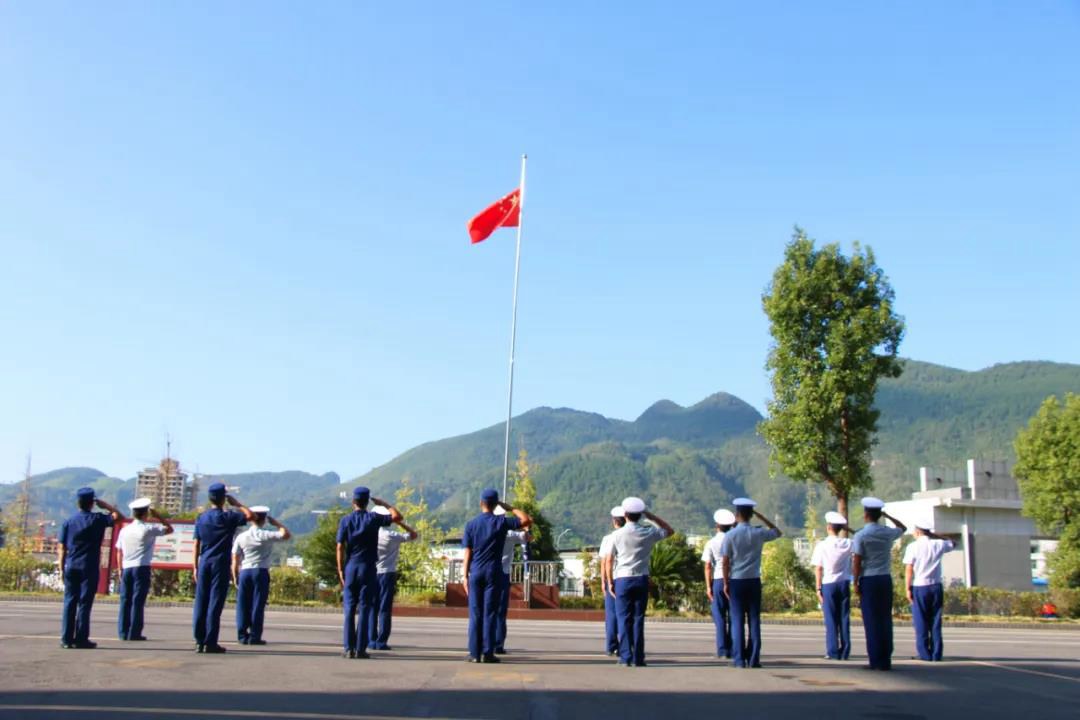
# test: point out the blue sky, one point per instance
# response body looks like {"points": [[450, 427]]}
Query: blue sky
{"points": [[243, 223]]}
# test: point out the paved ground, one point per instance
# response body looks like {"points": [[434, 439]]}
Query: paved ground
{"points": [[554, 670]]}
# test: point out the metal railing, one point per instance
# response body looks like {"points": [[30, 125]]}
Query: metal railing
{"points": [[540, 573]]}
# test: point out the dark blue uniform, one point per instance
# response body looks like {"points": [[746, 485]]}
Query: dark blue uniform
{"points": [[214, 530], [359, 533], [81, 535], [485, 535]]}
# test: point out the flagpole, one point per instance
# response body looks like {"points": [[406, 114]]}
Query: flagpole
{"points": [[513, 327]]}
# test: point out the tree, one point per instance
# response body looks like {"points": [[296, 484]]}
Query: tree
{"points": [[418, 565], [542, 546], [786, 583], [1048, 472], [674, 573], [835, 335], [319, 549]]}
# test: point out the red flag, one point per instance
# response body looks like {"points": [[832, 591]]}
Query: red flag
{"points": [[503, 213]]}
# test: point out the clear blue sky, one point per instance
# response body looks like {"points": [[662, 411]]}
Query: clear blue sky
{"points": [[243, 223]]}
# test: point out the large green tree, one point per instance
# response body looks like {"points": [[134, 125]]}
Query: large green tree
{"points": [[835, 335], [1048, 472], [542, 545]]}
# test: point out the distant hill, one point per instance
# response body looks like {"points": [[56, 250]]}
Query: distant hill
{"points": [[685, 460]]}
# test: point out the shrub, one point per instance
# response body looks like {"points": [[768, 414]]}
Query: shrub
{"points": [[584, 602], [291, 586]]}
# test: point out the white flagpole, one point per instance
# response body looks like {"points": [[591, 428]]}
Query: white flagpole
{"points": [[513, 327]]}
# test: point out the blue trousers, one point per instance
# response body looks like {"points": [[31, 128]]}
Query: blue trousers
{"points": [[379, 626], [631, 600], [745, 618], [251, 594], [611, 624], [721, 615], [134, 587], [836, 606], [359, 597], [926, 617], [211, 590], [876, 607], [485, 584], [504, 608], [79, 588]]}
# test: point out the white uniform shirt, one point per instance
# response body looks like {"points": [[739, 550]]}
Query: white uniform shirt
{"points": [[632, 545], [607, 545], [711, 553], [873, 543], [924, 555], [743, 544], [254, 546], [136, 543], [513, 537], [833, 556], [389, 550]]}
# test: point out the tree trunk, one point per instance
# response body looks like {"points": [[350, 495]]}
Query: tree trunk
{"points": [[841, 504]]}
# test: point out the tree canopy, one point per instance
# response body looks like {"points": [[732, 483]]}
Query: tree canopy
{"points": [[1048, 472], [835, 335]]}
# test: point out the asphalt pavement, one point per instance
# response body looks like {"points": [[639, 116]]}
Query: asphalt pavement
{"points": [[554, 669]]}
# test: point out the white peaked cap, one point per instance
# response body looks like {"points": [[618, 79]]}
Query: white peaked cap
{"points": [[724, 517], [499, 510], [380, 510], [743, 502], [834, 518], [618, 512], [140, 503], [873, 503], [261, 509], [925, 526], [633, 505]]}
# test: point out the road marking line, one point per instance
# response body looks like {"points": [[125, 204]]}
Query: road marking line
{"points": [[166, 711], [987, 663]]}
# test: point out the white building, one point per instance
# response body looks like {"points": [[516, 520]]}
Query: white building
{"points": [[982, 507]]}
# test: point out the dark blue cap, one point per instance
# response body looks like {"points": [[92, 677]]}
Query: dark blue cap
{"points": [[85, 493], [490, 495], [361, 493], [217, 489]]}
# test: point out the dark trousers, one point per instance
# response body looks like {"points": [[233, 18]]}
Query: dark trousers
{"points": [[721, 615], [836, 607], [485, 584], [611, 624], [79, 588], [382, 613], [251, 594], [926, 617], [359, 596], [876, 607], [745, 618], [211, 590], [134, 587], [504, 608], [631, 600]]}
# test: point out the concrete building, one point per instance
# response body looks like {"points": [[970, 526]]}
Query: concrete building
{"points": [[168, 488], [980, 505]]}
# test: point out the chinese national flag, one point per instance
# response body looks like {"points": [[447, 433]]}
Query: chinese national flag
{"points": [[503, 213]]}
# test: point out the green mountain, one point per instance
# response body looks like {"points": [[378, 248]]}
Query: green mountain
{"points": [[685, 460]]}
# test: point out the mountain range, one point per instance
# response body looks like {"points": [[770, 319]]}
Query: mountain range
{"points": [[685, 460]]}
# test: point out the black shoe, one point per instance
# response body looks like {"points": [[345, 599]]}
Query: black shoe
{"points": [[612, 653], [491, 659], [200, 648], [242, 641], [256, 642], [351, 654], [472, 659], [500, 651], [362, 655], [67, 646], [214, 650], [138, 638], [641, 664], [86, 645]]}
